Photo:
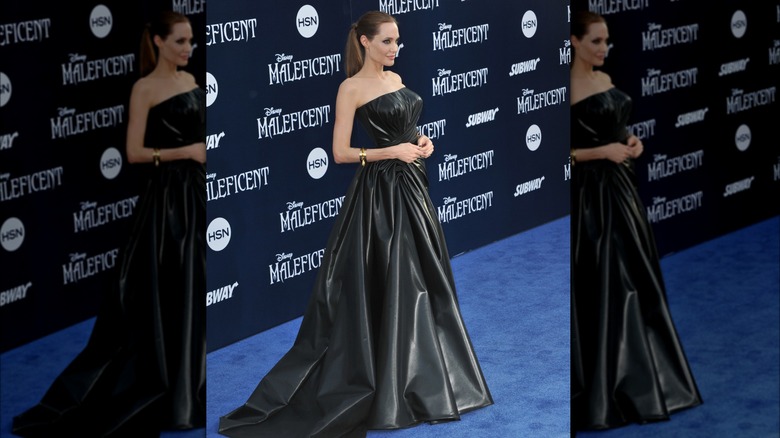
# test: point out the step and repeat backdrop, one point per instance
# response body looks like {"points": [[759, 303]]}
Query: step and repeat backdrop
{"points": [[67, 193], [494, 80], [704, 82], [493, 76]]}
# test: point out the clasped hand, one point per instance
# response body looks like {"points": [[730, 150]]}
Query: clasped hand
{"points": [[619, 152], [409, 152]]}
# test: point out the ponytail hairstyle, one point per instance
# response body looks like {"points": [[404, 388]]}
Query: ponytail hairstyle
{"points": [[162, 26], [367, 25]]}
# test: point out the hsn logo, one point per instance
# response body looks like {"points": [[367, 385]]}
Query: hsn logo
{"points": [[218, 234], [533, 137], [307, 21], [317, 163], [100, 21], [111, 163]]}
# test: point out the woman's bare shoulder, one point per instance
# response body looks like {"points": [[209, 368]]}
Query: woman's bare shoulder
{"points": [[604, 78], [394, 76], [143, 89]]}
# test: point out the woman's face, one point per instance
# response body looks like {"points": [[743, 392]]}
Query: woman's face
{"points": [[592, 48], [177, 46], [384, 46]]}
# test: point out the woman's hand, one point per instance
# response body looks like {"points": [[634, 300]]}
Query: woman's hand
{"points": [[635, 146], [616, 152], [409, 152], [426, 146]]}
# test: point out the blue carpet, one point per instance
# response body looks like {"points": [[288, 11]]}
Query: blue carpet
{"points": [[724, 296], [27, 371], [514, 297]]}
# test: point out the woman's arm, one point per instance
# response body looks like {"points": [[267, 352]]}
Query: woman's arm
{"points": [[616, 152], [343, 152], [346, 104]]}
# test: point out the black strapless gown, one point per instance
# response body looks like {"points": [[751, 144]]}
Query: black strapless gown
{"points": [[627, 363], [143, 369], [382, 344]]}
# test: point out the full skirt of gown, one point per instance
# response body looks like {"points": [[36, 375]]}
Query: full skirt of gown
{"points": [[382, 344], [143, 368], [627, 362]]}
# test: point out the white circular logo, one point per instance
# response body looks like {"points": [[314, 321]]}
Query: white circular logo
{"points": [[317, 163], [12, 234], [218, 234], [111, 163], [100, 21], [212, 89], [738, 24], [5, 89], [307, 21], [533, 137], [742, 137], [529, 24]]}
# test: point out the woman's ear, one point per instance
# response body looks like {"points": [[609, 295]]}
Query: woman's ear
{"points": [[364, 41], [157, 41]]}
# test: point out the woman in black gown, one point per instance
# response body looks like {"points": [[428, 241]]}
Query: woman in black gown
{"points": [[627, 363], [382, 344], [143, 369]]}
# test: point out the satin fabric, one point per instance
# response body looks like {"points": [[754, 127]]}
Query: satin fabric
{"points": [[382, 344], [627, 361], [143, 368]]}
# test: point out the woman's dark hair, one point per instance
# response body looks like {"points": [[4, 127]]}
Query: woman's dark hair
{"points": [[162, 26], [367, 25], [581, 20]]}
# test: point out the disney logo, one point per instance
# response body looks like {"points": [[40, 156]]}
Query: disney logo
{"points": [[75, 57], [445, 26], [272, 111], [653, 72], [282, 57], [659, 200], [449, 200], [76, 256], [450, 157], [659, 157], [65, 111], [211, 175], [444, 72], [280, 257], [86, 205], [294, 205]]}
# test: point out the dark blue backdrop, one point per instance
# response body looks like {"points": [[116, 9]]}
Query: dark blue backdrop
{"points": [[704, 83], [67, 193], [494, 81]]}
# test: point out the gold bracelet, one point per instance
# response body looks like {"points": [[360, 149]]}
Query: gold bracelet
{"points": [[156, 156], [362, 156], [573, 156]]}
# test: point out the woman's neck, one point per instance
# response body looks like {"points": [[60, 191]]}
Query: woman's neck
{"points": [[580, 69], [372, 69], [165, 69]]}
